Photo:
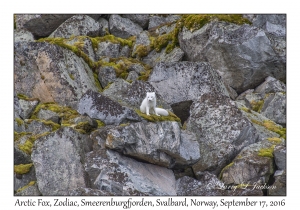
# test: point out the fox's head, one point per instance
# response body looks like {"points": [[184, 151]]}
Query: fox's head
{"points": [[150, 96]]}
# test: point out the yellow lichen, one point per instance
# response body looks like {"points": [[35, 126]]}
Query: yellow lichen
{"points": [[266, 152], [257, 105], [26, 186], [225, 168], [275, 140], [155, 118], [22, 168]]}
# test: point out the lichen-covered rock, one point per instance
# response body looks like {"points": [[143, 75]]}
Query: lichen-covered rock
{"points": [[104, 26], [249, 57], [21, 180], [182, 81], [222, 131], [155, 21], [123, 27], [280, 157], [160, 143], [78, 25], [132, 94], [270, 85], [39, 126], [27, 107], [154, 57], [111, 172], [58, 159], [106, 75], [23, 36], [40, 25], [132, 76], [82, 191], [142, 39], [51, 73], [253, 165], [31, 190], [83, 43], [140, 19], [209, 185], [279, 186], [100, 107], [111, 50]]}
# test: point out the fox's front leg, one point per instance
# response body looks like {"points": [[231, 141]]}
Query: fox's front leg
{"points": [[147, 110]]}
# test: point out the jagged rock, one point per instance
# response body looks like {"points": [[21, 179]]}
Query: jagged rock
{"points": [[58, 159], [270, 85], [210, 185], [27, 107], [85, 44], [51, 73], [221, 129], [253, 165], [274, 108], [106, 75], [132, 76], [279, 186], [78, 25], [104, 26], [111, 50], [89, 192], [132, 94], [249, 56], [21, 180], [164, 29], [46, 114], [20, 157], [141, 19], [98, 106], [280, 157], [30, 191], [123, 27], [138, 68], [38, 127], [155, 21], [111, 172], [23, 36], [183, 81], [40, 25], [142, 39], [160, 143], [154, 57]]}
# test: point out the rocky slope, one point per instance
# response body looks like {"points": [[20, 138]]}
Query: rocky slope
{"points": [[79, 82]]}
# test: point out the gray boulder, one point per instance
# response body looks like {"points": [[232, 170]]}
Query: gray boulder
{"points": [[40, 25], [111, 172], [154, 57], [253, 165], [104, 26], [140, 19], [221, 129], [58, 159], [84, 44], [22, 180], [132, 94], [111, 50], [160, 143], [183, 81], [243, 55], [142, 39], [78, 25], [132, 76], [279, 186], [98, 106], [155, 21], [123, 27], [106, 75], [23, 36], [27, 107], [31, 190], [51, 73], [280, 157], [38, 127], [83, 191], [270, 85]]}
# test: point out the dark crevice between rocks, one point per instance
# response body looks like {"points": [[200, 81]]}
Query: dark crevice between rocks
{"points": [[182, 110], [271, 181]]}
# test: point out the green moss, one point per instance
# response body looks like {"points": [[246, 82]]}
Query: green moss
{"points": [[111, 38], [275, 140], [19, 121], [28, 145], [266, 152], [26, 186], [245, 109], [22, 168], [141, 51], [71, 76], [26, 98], [100, 123], [272, 126], [98, 85], [257, 105], [155, 118], [67, 114], [17, 135], [225, 168]]}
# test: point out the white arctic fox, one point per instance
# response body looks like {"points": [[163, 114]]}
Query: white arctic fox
{"points": [[149, 105]]}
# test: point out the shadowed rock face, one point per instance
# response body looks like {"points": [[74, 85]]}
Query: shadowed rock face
{"points": [[221, 129], [43, 71], [103, 108], [243, 55]]}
